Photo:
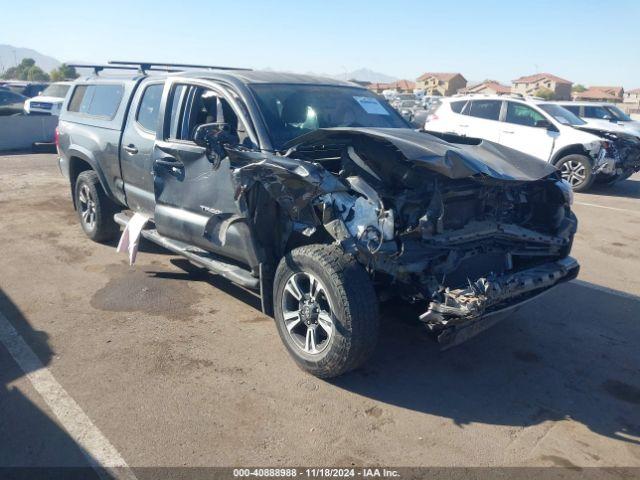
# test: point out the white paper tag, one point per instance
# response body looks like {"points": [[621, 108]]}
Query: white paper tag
{"points": [[371, 105], [131, 236]]}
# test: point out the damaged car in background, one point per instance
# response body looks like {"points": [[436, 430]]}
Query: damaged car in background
{"points": [[318, 196]]}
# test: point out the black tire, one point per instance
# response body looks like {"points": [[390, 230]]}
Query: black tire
{"points": [[348, 293], [575, 165], [99, 224]]}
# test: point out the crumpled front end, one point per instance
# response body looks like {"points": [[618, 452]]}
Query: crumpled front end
{"points": [[457, 228]]}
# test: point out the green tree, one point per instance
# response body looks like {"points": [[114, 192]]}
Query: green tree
{"points": [[36, 74], [27, 70], [545, 93], [63, 72], [578, 88]]}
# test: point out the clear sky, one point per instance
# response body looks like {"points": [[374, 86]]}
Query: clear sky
{"points": [[586, 41]]}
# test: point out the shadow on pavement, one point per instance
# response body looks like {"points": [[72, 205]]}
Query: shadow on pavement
{"points": [[570, 354], [629, 188], [32, 444]]}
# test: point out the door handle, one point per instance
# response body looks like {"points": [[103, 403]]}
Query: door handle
{"points": [[130, 149]]}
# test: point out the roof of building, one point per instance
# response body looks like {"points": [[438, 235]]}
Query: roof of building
{"points": [[617, 91], [595, 93], [404, 84], [491, 84], [445, 77], [541, 76]]}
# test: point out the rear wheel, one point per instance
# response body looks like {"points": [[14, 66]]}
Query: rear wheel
{"points": [[95, 209], [326, 310], [577, 170]]}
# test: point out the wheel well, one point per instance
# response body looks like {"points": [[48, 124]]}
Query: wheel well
{"points": [[570, 150], [76, 166]]}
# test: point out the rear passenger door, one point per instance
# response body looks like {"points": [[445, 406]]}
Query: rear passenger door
{"points": [[194, 195], [519, 131], [484, 119], [136, 147]]}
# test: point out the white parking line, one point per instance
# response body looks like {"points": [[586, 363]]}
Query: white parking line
{"points": [[608, 208], [100, 453]]}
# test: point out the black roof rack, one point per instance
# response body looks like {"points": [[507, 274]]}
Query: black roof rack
{"points": [[97, 68], [148, 65]]}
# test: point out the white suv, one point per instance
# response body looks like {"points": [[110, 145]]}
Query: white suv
{"points": [[536, 127]]}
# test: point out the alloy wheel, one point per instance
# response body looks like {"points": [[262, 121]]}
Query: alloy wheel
{"points": [[87, 207], [307, 313], [573, 172]]}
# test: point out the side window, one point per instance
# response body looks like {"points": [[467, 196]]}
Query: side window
{"points": [[595, 112], [522, 115], [192, 106], [77, 98], [487, 109], [457, 106], [575, 109], [147, 115], [96, 100]]}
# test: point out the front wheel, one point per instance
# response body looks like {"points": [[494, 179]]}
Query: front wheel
{"points": [[326, 310], [577, 170]]}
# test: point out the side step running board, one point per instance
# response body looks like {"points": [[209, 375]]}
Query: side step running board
{"points": [[198, 256]]}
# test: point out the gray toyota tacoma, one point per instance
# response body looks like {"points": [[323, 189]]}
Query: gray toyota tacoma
{"points": [[318, 196]]}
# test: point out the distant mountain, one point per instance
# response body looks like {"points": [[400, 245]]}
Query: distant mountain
{"points": [[366, 75], [10, 55]]}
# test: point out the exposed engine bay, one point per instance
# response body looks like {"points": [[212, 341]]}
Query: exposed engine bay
{"points": [[463, 227]]}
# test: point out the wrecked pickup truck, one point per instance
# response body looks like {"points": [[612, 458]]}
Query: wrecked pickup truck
{"points": [[317, 195]]}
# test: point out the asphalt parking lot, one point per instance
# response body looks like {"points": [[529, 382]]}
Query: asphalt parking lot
{"points": [[175, 367]]}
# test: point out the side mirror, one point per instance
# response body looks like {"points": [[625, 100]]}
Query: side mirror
{"points": [[213, 137], [207, 133], [544, 124]]}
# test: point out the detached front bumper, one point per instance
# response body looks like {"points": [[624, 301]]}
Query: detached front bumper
{"points": [[463, 313]]}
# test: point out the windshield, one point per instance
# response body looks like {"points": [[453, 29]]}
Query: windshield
{"points": [[293, 110], [561, 114], [618, 114], [56, 90]]}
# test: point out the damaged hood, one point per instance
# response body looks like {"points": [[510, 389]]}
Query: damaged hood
{"points": [[471, 158]]}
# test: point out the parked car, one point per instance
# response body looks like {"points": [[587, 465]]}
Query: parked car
{"points": [[521, 124], [407, 109], [49, 101], [402, 97], [317, 195], [28, 89], [606, 116], [622, 137], [11, 103]]}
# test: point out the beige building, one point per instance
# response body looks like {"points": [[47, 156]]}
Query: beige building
{"points": [[443, 84], [632, 97], [531, 84], [600, 94], [488, 87]]}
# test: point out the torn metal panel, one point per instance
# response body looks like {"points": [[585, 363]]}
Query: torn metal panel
{"points": [[294, 184]]}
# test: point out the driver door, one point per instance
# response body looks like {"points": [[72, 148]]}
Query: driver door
{"points": [[195, 196]]}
